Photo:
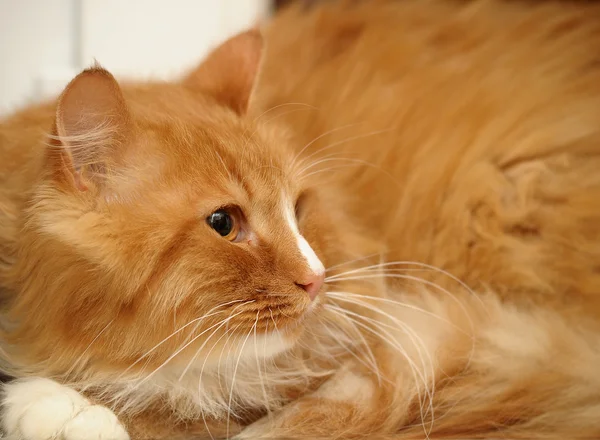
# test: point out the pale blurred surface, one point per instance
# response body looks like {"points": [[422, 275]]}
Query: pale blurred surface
{"points": [[44, 43]]}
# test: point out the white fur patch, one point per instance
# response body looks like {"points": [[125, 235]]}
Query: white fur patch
{"points": [[41, 409], [265, 346], [307, 252]]}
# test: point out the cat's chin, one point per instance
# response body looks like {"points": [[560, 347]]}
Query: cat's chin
{"points": [[267, 345], [273, 343]]}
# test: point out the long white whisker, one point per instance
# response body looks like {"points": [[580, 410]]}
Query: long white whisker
{"points": [[352, 138], [372, 363], [219, 363], [423, 281], [283, 105], [399, 304], [425, 265], [223, 323], [355, 162], [208, 314], [316, 139], [233, 380], [82, 355], [389, 338], [310, 107], [415, 339], [366, 257], [258, 368], [181, 349]]}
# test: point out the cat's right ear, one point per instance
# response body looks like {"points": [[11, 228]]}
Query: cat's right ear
{"points": [[230, 71], [92, 125]]}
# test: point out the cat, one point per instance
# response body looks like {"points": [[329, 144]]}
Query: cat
{"points": [[368, 219]]}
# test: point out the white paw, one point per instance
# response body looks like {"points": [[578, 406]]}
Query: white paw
{"points": [[41, 409]]}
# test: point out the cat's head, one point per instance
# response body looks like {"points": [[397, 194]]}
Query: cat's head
{"points": [[168, 220]]}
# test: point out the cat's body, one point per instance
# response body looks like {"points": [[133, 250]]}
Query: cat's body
{"points": [[464, 137]]}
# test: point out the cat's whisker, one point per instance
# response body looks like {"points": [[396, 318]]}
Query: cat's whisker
{"points": [[437, 287], [149, 352], [329, 169], [418, 344], [323, 159], [403, 326], [193, 359], [249, 138], [264, 113], [371, 363], [352, 138], [200, 376], [470, 335], [326, 354], [380, 270], [82, 355], [229, 347], [225, 167], [399, 304], [258, 366], [275, 107], [389, 339], [419, 280], [237, 364], [416, 340], [202, 412], [228, 333], [335, 266], [183, 348], [295, 158], [199, 319], [354, 162], [276, 331], [264, 367], [427, 266]]}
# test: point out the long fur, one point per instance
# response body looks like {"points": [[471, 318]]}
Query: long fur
{"points": [[442, 158]]}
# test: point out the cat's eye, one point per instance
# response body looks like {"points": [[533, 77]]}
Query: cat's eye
{"points": [[224, 223]]}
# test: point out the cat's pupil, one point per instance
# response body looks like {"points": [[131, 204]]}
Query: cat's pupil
{"points": [[221, 222]]}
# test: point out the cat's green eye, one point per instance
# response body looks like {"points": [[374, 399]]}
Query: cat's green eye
{"points": [[224, 223]]}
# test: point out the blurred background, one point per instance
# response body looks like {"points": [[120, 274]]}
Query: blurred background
{"points": [[44, 43]]}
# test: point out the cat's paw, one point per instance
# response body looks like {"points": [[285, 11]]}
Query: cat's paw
{"points": [[41, 409]]}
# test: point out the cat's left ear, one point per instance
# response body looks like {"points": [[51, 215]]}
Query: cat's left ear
{"points": [[92, 127], [230, 71]]}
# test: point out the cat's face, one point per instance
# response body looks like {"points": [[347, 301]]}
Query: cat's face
{"points": [[183, 221]]}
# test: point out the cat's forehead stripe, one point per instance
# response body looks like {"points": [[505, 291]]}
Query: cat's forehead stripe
{"points": [[314, 263]]}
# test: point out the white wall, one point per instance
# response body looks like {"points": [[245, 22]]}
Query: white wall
{"points": [[36, 37], [44, 43]]}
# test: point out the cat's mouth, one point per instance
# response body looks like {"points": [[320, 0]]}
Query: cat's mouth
{"points": [[293, 324]]}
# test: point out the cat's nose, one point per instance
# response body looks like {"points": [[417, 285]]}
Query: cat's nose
{"points": [[312, 284]]}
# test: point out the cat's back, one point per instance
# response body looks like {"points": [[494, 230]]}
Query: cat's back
{"points": [[431, 68], [467, 134]]}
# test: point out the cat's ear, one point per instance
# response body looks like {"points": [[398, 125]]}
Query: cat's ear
{"points": [[92, 124], [230, 71]]}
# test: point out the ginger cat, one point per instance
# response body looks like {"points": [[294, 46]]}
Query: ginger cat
{"points": [[379, 219]]}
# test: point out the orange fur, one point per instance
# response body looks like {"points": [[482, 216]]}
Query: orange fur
{"points": [[449, 140]]}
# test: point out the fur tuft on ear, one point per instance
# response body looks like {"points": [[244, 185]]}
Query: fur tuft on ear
{"points": [[92, 122], [229, 72]]}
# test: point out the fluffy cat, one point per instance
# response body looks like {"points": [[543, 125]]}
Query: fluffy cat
{"points": [[386, 225]]}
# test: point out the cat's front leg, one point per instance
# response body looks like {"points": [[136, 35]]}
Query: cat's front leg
{"points": [[338, 408], [41, 409]]}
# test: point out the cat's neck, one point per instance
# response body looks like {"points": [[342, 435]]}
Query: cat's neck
{"points": [[218, 391]]}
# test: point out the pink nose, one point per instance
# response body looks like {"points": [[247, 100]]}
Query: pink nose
{"points": [[312, 284]]}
